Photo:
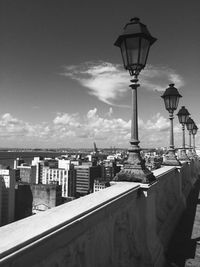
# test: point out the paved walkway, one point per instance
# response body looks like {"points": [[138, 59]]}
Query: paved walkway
{"points": [[185, 243]]}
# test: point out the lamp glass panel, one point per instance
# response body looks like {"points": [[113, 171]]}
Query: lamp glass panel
{"points": [[190, 126], [183, 118], [174, 102], [194, 131], [177, 101], [180, 118], [123, 51], [144, 50], [171, 102], [167, 102], [132, 46]]}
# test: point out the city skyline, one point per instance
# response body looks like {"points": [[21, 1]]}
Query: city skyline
{"points": [[62, 80]]}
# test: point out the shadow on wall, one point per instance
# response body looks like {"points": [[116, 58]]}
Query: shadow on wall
{"points": [[183, 243]]}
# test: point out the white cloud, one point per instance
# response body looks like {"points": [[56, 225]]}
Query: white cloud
{"points": [[7, 119], [108, 81], [158, 122], [14, 127], [10, 126], [116, 131], [157, 78], [92, 113], [104, 80], [72, 129], [66, 119]]}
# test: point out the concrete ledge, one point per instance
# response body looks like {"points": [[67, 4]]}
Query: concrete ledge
{"points": [[163, 171], [22, 233]]}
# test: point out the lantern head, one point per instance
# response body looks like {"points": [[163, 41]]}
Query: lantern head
{"points": [[183, 115], [135, 42], [194, 130], [190, 124], [171, 98]]}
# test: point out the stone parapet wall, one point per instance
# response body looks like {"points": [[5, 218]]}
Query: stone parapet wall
{"points": [[127, 224], [169, 204]]}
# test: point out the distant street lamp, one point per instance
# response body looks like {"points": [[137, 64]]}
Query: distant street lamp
{"points": [[171, 98], [183, 116], [190, 125], [135, 42], [194, 132]]}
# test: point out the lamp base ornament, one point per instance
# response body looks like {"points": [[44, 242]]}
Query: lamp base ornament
{"points": [[135, 170], [170, 159], [190, 154], [183, 156]]}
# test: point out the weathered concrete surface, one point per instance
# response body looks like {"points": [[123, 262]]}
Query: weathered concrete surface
{"points": [[194, 240], [183, 244], [125, 225]]}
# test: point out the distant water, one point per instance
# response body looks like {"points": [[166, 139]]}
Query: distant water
{"points": [[7, 158]]}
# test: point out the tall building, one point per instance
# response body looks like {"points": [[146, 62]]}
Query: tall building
{"points": [[23, 201], [18, 162], [52, 163], [109, 169], [33, 174], [2, 186], [27, 174], [64, 163], [64, 177], [16, 174], [40, 163], [7, 185], [37, 162], [107, 172], [85, 176]]}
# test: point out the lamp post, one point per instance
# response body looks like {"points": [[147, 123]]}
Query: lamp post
{"points": [[190, 125], [134, 43], [171, 98], [194, 132], [183, 116]]}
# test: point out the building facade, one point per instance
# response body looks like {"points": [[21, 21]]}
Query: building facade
{"points": [[45, 196], [64, 177], [27, 174], [100, 184], [85, 176]]}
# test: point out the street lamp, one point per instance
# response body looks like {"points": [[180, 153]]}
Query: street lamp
{"points": [[171, 98], [194, 132], [190, 125], [134, 43], [183, 116]]}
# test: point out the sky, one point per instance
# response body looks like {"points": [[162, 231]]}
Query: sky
{"points": [[62, 82]]}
